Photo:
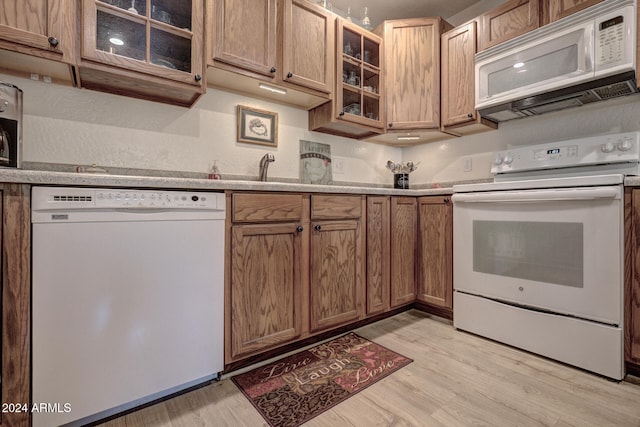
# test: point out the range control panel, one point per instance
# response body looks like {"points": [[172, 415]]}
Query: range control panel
{"points": [[588, 151]]}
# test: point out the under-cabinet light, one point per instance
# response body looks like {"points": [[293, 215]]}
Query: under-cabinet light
{"points": [[272, 89], [408, 138], [116, 40]]}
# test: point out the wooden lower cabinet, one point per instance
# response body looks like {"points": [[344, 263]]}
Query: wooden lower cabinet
{"points": [[336, 267], [404, 222], [306, 264], [336, 281], [16, 301], [435, 254], [266, 286], [288, 277], [378, 254], [632, 278], [391, 252]]}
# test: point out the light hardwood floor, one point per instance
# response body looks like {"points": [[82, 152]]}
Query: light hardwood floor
{"points": [[456, 379]]}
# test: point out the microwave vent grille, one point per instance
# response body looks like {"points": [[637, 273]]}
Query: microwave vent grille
{"points": [[614, 90]]}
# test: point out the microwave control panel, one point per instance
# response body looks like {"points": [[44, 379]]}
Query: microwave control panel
{"points": [[614, 40], [602, 149], [611, 40]]}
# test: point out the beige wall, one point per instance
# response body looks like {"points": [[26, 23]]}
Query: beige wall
{"points": [[79, 127], [444, 162]]}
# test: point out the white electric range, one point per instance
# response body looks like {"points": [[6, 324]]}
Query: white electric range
{"points": [[538, 253]]}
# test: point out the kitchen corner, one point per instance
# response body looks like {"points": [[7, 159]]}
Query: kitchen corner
{"points": [[190, 191]]}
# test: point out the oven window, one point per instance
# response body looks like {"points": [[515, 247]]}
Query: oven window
{"points": [[548, 252]]}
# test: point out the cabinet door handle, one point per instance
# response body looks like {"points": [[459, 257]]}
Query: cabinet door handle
{"points": [[447, 200], [197, 77], [289, 74], [470, 115], [53, 41], [299, 229], [390, 125], [317, 227], [272, 70]]}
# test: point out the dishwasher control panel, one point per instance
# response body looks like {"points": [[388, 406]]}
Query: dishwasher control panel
{"points": [[155, 199], [64, 198]]}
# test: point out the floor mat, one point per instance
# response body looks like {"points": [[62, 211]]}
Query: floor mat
{"points": [[295, 389]]}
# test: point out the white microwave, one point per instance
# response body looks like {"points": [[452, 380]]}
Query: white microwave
{"points": [[586, 57]]}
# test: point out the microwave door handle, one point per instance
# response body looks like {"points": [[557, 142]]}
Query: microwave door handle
{"points": [[537, 196]]}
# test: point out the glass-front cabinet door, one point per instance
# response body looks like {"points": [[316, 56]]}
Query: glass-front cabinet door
{"points": [[158, 37], [359, 88]]}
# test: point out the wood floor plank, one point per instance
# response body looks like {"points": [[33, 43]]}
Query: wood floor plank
{"points": [[456, 379]]}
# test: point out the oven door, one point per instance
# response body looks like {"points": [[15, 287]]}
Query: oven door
{"points": [[557, 250]]}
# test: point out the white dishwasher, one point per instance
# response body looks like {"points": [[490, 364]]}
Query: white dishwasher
{"points": [[127, 298]]}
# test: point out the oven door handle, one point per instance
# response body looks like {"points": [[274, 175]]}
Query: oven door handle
{"points": [[539, 195]]}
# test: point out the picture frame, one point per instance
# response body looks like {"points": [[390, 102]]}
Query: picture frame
{"points": [[257, 126]]}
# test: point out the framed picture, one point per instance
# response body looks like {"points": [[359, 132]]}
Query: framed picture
{"points": [[257, 126]]}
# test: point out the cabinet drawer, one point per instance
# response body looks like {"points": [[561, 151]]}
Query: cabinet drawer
{"points": [[330, 207], [251, 207]]}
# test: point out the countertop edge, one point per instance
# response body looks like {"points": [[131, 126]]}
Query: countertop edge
{"points": [[34, 177], [632, 181]]}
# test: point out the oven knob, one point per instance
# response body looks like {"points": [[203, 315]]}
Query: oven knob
{"points": [[625, 144], [608, 147], [498, 159], [508, 159]]}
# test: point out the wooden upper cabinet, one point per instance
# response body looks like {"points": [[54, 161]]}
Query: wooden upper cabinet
{"points": [[35, 23], [509, 20], [37, 37], [558, 9], [146, 49], [412, 64], [286, 43], [459, 116], [245, 34], [307, 45], [356, 109], [458, 78]]}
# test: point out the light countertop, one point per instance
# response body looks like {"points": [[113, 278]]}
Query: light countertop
{"points": [[632, 181], [40, 177]]}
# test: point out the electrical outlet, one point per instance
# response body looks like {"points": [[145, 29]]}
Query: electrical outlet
{"points": [[337, 166], [468, 164]]}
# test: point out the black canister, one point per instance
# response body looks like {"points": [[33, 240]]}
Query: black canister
{"points": [[401, 180]]}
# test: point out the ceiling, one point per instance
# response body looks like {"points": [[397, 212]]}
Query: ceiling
{"points": [[380, 10]]}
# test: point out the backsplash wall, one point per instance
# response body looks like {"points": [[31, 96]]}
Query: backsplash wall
{"points": [[444, 162], [81, 127]]}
